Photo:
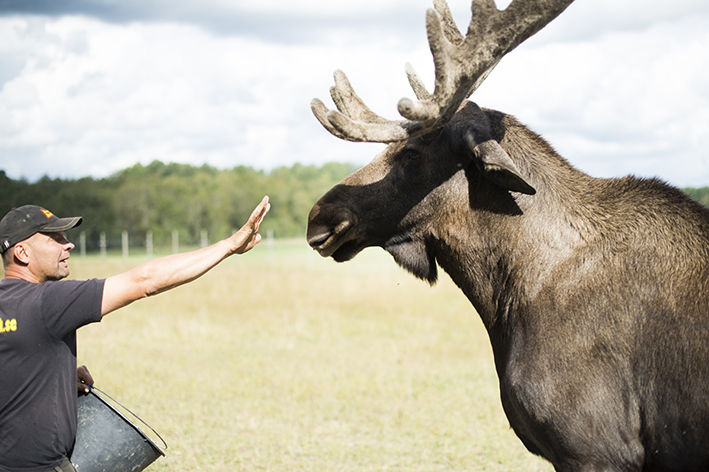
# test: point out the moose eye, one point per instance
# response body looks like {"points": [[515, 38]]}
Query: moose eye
{"points": [[409, 156], [410, 165]]}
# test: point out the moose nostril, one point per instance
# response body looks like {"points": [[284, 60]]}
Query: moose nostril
{"points": [[319, 234], [343, 226], [319, 238]]}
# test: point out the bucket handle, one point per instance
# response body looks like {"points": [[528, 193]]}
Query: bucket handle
{"points": [[93, 387]]}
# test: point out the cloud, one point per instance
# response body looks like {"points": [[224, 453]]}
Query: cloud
{"points": [[586, 21], [268, 21], [628, 101], [89, 87], [275, 19], [143, 92]]}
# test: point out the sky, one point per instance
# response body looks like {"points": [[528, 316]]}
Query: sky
{"points": [[90, 87]]}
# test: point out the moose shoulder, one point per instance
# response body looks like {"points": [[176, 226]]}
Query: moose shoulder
{"points": [[594, 292]]}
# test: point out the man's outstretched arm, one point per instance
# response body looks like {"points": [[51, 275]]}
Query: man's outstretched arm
{"points": [[165, 273]]}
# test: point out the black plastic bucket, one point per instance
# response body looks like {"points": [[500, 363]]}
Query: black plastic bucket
{"points": [[106, 441]]}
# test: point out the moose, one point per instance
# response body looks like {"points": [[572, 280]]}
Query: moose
{"points": [[594, 292]]}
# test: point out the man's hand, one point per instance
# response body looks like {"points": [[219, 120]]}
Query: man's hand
{"points": [[85, 379], [247, 237]]}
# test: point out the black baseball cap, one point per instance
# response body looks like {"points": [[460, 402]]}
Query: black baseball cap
{"points": [[22, 222]]}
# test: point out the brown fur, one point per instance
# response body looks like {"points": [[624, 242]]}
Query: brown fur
{"points": [[593, 291]]}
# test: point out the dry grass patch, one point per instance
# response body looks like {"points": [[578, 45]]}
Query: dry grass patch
{"points": [[281, 361]]}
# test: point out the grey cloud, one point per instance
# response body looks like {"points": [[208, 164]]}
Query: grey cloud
{"points": [[582, 21], [11, 64], [582, 18], [220, 20], [587, 21]]}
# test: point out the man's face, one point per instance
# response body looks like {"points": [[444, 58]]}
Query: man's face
{"points": [[49, 254]]}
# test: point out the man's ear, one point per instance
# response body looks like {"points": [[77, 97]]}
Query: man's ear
{"points": [[21, 253], [496, 165]]}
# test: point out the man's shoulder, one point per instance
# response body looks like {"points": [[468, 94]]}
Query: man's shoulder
{"points": [[14, 286], [11, 281], [62, 306], [72, 286]]}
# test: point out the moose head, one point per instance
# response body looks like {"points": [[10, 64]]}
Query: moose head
{"points": [[392, 202]]}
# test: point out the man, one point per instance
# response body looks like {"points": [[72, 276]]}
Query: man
{"points": [[39, 316]]}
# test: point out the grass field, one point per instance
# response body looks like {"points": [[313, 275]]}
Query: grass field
{"points": [[279, 360]]}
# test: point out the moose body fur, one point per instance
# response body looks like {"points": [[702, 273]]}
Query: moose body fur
{"points": [[594, 292]]}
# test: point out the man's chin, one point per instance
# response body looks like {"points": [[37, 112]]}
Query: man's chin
{"points": [[59, 276]]}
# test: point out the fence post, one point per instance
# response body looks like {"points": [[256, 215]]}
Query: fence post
{"points": [[149, 244], [82, 244], [102, 244], [204, 240], [124, 244], [269, 244], [175, 241]]}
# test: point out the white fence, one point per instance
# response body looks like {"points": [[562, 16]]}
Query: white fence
{"points": [[149, 244]]}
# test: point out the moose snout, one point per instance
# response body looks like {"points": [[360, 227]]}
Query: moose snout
{"points": [[328, 227], [318, 235]]}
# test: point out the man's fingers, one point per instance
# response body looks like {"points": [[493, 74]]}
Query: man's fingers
{"points": [[258, 215], [84, 377], [259, 212]]}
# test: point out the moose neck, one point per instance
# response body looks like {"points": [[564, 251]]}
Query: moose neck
{"points": [[510, 244]]}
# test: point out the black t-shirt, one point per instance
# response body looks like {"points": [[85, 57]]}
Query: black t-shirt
{"points": [[38, 405]]}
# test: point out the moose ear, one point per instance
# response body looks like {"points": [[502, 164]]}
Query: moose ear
{"points": [[497, 166]]}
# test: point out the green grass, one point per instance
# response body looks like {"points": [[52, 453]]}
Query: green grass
{"points": [[279, 360]]}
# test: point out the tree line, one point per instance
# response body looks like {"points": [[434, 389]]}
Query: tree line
{"points": [[162, 198]]}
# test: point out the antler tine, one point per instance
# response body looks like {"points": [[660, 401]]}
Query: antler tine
{"points": [[450, 29], [461, 68], [361, 131], [461, 65], [443, 51], [416, 83], [349, 103], [502, 31], [355, 121], [321, 113]]}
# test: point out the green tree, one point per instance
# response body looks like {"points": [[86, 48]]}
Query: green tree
{"points": [[162, 198]]}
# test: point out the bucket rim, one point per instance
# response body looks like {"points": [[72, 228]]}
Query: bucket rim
{"points": [[156, 446]]}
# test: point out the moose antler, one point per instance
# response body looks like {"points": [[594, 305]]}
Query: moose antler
{"points": [[461, 64]]}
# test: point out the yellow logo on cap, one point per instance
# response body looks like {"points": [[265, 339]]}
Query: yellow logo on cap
{"points": [[47, 213]]}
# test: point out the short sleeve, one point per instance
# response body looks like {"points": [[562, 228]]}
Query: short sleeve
{"points": [[68, 305]]}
